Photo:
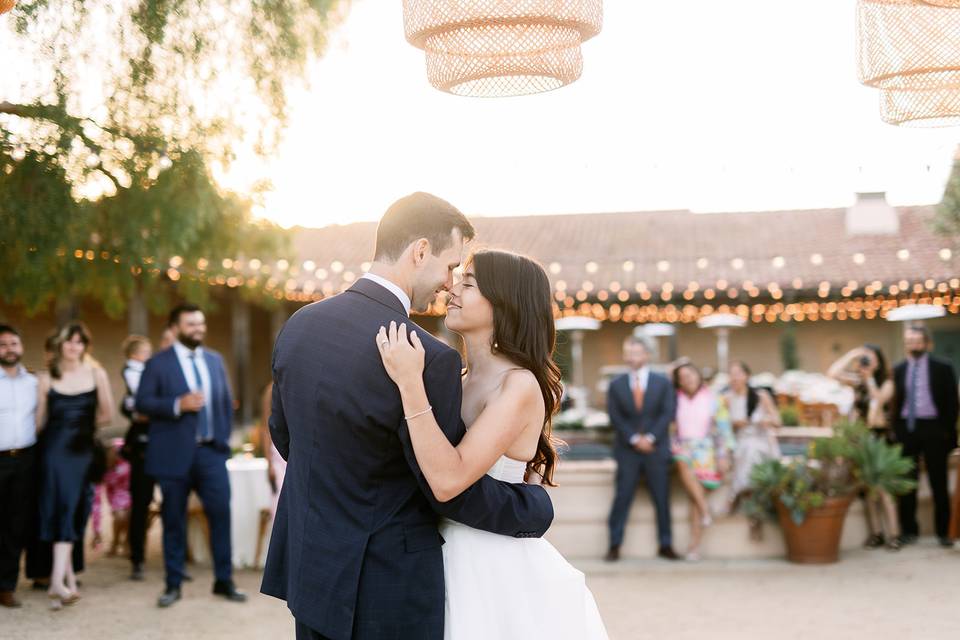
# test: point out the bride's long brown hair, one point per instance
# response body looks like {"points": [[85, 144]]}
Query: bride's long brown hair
{"points": [[524, 332]]}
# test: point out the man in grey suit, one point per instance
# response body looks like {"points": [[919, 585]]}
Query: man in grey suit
{"points": [[641, 405]]}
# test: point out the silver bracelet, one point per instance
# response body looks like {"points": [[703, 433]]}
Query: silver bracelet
{"points": [[417, 415]]}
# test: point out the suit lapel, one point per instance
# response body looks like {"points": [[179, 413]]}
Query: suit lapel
{"points": [[626, 394], [213, 371], [178, 377]]}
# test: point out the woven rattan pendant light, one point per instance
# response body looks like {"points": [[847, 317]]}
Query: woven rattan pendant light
{"points": [[910, 50], [6, 5], [908, 44], [492, 48], [924, 108]]}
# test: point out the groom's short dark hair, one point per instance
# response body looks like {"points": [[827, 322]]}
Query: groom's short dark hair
{"points": [[419, 215]]}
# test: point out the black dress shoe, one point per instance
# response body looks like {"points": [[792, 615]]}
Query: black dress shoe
{"points": [[171, 595], [137, 572], [667, 553], [908, 538], [946, 543], [612, 555], [229, 591]]}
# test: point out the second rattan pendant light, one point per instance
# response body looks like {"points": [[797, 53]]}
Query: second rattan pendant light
{"points": [[910, 50], [493, 48], [923, 108]]}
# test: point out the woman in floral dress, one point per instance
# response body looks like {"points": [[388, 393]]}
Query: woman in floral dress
{"points": [[702, 444]]}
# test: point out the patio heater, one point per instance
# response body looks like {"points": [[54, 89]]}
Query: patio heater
{"points": [[651, 331], [722, 323], [576, 326]]}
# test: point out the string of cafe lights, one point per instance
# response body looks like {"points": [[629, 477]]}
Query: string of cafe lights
{"points": [[808, 310], [615, 302]]}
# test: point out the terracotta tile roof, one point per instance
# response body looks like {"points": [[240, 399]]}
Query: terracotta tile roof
{"points": [[665, 247]]}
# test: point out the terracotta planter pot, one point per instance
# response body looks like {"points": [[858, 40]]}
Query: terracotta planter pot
{"points": [[817, 540]]}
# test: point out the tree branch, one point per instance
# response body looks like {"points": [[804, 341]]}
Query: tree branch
{"points": [[68, 123]]}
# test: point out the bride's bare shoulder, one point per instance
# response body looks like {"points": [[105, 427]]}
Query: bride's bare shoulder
{"points": [[520, 384]]}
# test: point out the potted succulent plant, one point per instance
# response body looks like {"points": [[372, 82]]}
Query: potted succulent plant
{"points": [[810, 495]]}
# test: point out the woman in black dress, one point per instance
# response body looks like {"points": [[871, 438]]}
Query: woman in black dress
{"points": [[74, 399]]}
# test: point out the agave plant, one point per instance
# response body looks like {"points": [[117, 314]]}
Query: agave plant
{"points": [[798, 485], [883, 467], [850, 460]]}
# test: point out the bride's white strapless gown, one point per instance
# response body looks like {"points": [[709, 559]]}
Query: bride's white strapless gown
{"points": [[503, 588]]}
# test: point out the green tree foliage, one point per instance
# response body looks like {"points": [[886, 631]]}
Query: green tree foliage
{"points": [[947, 221], [117, 115], [788, 348]]}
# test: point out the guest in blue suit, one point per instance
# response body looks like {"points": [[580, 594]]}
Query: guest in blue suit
{"points": [[355, 549], [641, 405], [185, 393]]}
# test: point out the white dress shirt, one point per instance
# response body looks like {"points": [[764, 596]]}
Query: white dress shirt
{"points": [[183, 355], [392, 288], [18, 410], [639, 376], [132, 372]]}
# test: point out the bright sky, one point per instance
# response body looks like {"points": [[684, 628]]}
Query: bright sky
{"points": [[702, 105]]}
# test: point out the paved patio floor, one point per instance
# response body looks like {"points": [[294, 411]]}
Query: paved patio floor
{"points": [[911, 595]]}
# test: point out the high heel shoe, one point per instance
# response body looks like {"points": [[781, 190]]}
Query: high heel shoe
{"points": [[58, 601]]}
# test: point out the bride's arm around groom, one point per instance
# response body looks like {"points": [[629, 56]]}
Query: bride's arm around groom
{"points": [[522, 511]]}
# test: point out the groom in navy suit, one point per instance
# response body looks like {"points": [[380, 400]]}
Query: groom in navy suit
{"points": [[185, 393], [355, 549]]}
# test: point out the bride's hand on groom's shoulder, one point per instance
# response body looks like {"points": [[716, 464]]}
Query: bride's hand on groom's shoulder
{"points": [[402, 356]]}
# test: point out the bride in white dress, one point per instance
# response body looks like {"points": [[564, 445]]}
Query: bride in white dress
{"points": [[497, 587]]}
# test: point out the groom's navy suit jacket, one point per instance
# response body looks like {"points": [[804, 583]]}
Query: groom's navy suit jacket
{"points": [[355, 549]]}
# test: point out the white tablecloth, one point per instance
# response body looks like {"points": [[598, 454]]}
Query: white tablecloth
{"points": [[249, 495]]}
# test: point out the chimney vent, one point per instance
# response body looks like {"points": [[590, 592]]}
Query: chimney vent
{"points": [[872, 215]]}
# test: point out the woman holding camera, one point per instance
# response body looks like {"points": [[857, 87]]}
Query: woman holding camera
{"points": [[865, 370]]}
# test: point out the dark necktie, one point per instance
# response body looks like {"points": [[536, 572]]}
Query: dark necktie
{"points": [[203, 419], [912, 397]]}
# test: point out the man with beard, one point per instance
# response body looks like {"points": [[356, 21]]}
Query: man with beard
{"points": [[925, 410], [185, 394], [18, 435]]}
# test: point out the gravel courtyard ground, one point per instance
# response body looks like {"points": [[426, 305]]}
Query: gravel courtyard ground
{"points": [[875, 595]]}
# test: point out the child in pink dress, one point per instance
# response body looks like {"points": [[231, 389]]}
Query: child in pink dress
{"points": [[116, 486]]}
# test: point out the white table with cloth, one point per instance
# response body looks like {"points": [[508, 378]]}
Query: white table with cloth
{"points": [[250, 496]]}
